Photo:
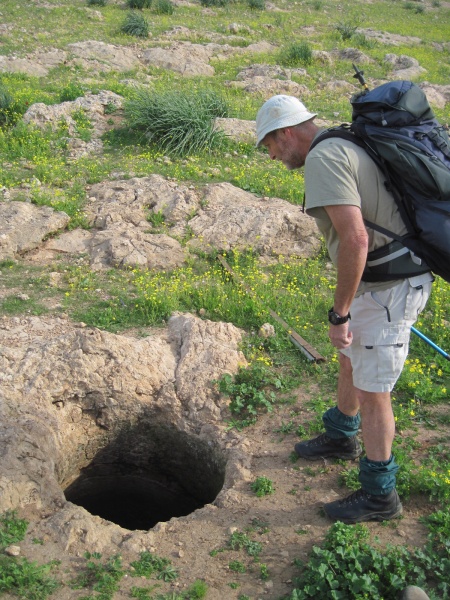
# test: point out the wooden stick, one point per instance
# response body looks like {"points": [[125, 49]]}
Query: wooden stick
{"points": [[310, 352]]}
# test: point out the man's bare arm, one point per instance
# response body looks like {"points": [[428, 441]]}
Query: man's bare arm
{"points": [[353, 246]]}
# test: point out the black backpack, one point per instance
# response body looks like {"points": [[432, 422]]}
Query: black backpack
{"points": [[396, 126]]}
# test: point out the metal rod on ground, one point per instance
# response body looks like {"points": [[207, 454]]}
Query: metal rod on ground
{"points": [[310, 352], [432, 344]]}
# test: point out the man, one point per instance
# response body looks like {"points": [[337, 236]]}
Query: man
{"points": [[369, 322]]}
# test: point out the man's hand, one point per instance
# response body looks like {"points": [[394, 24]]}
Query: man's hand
{"points": [[340, 336]]}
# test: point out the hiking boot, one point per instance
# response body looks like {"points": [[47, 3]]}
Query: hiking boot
{"points": [[347, 448], [412, 592], [361, 506]]}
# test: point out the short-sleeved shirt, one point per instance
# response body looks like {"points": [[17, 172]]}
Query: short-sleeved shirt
{"points": [[339, 172]]}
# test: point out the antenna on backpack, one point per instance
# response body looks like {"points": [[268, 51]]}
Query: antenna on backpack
{"points": [[359, 75]]}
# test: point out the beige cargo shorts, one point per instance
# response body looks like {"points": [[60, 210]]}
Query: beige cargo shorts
{"points": [[381, 327]]}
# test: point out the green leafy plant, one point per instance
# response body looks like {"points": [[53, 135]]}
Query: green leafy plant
{"points": [[148, 564], [346, 29], [96, 2], [259, 525], [197, 591], [142, 593], [264, 571], [83, 125], [248, 389], [71, 91], [12, 528], [157, 219], [296, 54], [413, 6], [262, 486], [102, 577], [237, 566], [168, 573], [26, 580], [347, 566], [135, 24], [240, 541]]}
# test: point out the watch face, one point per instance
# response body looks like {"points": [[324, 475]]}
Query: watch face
{"points": [[336, 319]]}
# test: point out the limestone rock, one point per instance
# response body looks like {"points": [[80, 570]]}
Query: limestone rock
{"points": [[268, 80], [23, 226], [239, 130], [355, 55], [234, 218], [42, 115], [67, 391], [200, 345], [100, 56], [183, 57], [219, 216], [404, 67]]}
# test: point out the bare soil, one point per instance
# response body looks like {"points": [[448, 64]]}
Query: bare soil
{"points": [[287, 523]]}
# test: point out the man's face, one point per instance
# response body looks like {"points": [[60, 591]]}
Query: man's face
{"points": [[282, 145]]}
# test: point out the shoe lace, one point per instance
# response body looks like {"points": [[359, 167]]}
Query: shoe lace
{"points": [[319, 440], [355, 498]]}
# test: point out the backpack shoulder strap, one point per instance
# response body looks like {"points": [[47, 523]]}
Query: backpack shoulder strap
{"points": [[345, 132]]}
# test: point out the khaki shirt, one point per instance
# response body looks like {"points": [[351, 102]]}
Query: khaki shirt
{"points": [[340, 172]]}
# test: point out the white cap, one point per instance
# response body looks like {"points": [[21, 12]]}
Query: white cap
{"points": [[278, 112]]}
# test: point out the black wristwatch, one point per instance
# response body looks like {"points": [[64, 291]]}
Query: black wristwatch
{"points": [[336, 319]]}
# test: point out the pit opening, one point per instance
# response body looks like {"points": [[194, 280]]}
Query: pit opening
{"points": [[149, 474]]}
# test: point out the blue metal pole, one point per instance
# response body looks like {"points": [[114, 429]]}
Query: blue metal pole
{"points": [[432, 344]]}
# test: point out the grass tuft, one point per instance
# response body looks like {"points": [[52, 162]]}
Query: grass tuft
{"points": [[135, 24], [296, 54], [163, 7], [179, 123], [139, 4]]}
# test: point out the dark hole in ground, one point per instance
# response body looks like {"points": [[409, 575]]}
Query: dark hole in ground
{"points": [[149, 474]]}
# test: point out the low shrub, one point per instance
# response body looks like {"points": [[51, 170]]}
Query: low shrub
{"points": [[346, 29], [180, 124], [70, 92], [296, 54], [219, 3], [256, 4], [6, 103], [135, 24], [139, 4], [163, 7]]}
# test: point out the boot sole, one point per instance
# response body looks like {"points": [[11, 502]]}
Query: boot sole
{"points": [[341, 455], [375, 516]]}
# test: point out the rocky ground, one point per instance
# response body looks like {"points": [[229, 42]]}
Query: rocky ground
{"points": [[73, 397]]}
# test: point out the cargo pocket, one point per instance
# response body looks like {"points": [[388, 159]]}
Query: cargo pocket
{"points": [[416, 300], [384, 353]]}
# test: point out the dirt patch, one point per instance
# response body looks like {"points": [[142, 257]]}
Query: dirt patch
{"points": [[287, 523]]}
